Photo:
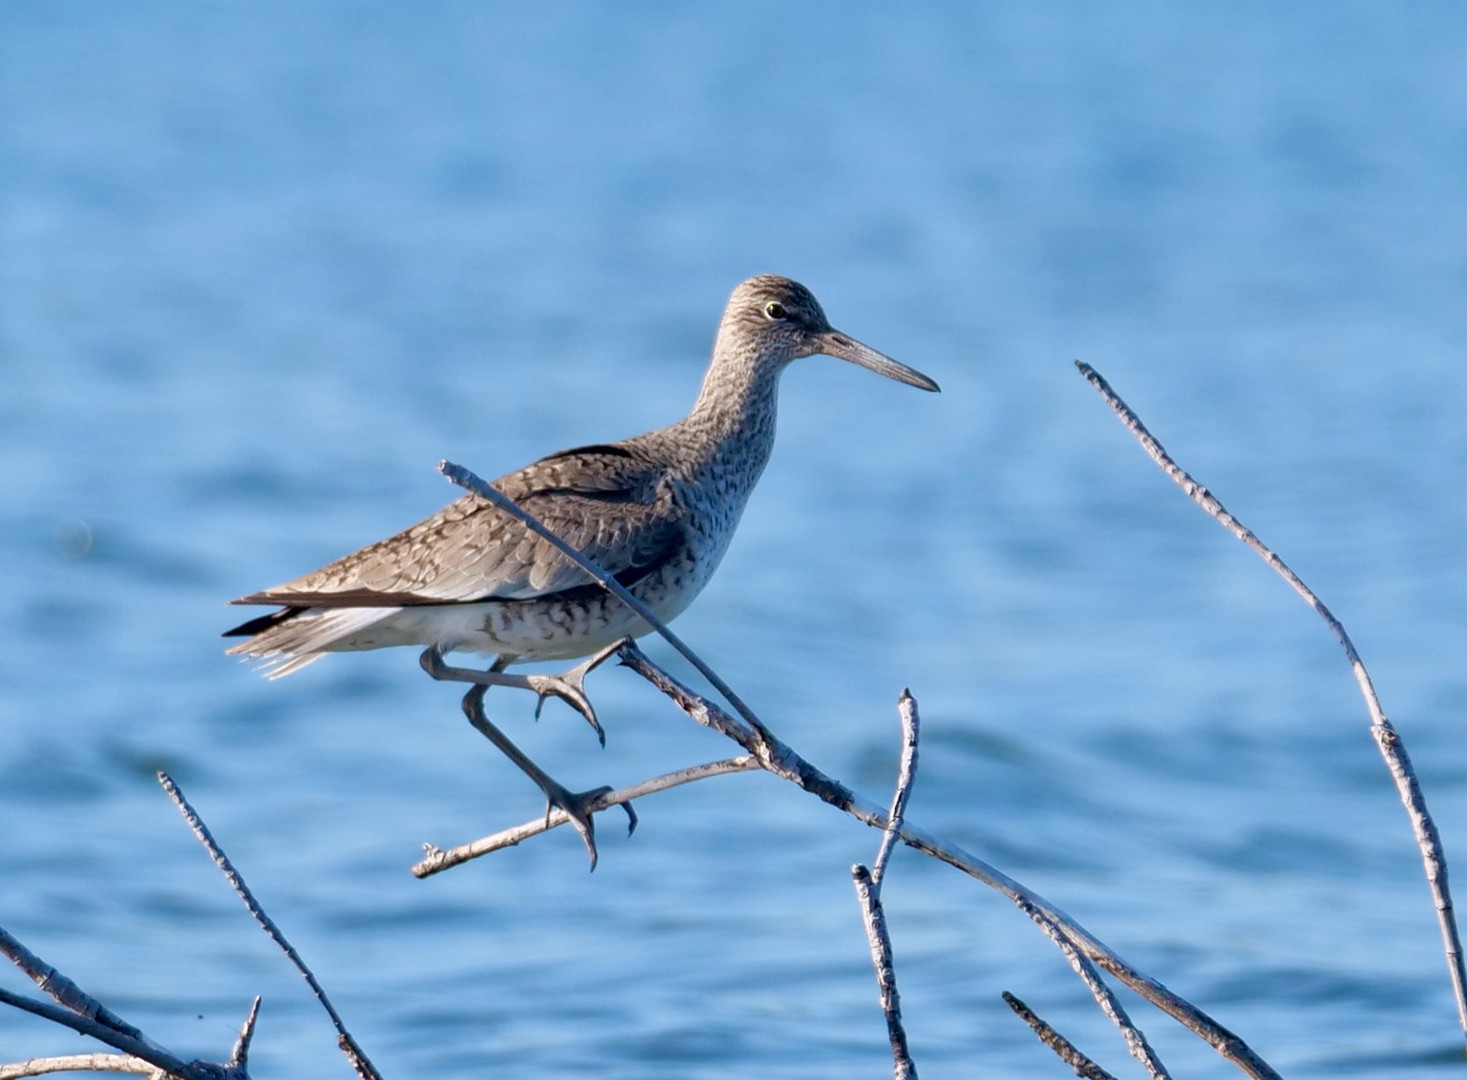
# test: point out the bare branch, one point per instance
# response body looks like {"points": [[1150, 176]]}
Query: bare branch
{"points": [[911, 723], [1062, 1046], [868, 892], [349, 1047], [135, 1046], [436, 860], [781, 760], [1114, 1012], [1428, 839], [61, 989]]}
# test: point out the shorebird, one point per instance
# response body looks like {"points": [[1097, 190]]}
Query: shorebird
{"points": [[656, 511]]}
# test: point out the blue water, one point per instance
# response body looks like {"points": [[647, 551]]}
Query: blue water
{"points": [[261, 268]]}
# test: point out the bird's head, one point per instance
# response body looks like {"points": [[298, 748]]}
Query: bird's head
{"points": [[774, 320]]}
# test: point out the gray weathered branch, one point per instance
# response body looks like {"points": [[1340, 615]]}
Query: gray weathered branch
{"points": [[784, 762]]}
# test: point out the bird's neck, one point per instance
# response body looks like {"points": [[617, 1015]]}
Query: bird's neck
{"points": [[732, 422]]}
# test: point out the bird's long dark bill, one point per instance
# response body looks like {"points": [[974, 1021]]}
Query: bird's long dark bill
{"points": [[834, 343]]}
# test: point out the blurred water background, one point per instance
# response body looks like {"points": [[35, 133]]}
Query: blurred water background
{"points": [[261, 267]]}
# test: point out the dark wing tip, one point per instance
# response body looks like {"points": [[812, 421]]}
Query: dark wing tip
{"points": [[261, 623]]}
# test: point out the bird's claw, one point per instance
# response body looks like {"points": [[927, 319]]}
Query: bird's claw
{"points": [[576, 805], [570, 687]]}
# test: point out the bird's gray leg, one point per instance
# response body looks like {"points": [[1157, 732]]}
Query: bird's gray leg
{"points": [[574, 803], [557, 795], [568, 686]]}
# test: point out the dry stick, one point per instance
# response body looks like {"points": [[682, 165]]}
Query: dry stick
{"points": [[436, 860], [869, 893], [354, 1053], [124, 1063], [772, 754], [1062, 1046], [1428, 839], [1135, 1041], [906, 774]]}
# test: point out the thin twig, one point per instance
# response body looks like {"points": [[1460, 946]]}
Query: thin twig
{"points": [[1114, 1012], [1062, 1046], [1428, 839], [879, 938], [906, 774], [344, 1040], [436, 860]]}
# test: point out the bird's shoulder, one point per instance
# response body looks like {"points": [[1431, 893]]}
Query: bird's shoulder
{"points": [[608, 471]]}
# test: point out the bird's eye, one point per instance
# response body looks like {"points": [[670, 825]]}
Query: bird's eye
{"points": [[775, 310]]}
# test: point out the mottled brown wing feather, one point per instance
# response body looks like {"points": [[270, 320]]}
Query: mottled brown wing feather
{"points": [[603, 500]]}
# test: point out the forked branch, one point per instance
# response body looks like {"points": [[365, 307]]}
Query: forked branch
{"points": [[85, 1015]]}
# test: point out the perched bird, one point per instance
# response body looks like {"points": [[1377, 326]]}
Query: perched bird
{"points": [[656, 511]]}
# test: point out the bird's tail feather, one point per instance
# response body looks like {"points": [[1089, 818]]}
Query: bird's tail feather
{"points": [[302, 636]]}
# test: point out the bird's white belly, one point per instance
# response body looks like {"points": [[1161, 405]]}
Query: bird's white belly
{"points": [[552, 628]]}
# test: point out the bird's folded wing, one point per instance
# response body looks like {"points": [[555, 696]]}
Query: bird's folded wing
{"points": [[601, 500]]}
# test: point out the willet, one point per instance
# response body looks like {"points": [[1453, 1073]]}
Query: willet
{"points": [[656, 511]]}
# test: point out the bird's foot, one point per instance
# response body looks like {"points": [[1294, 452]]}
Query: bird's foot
{"points": [[570, 687], [578, 808]]}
